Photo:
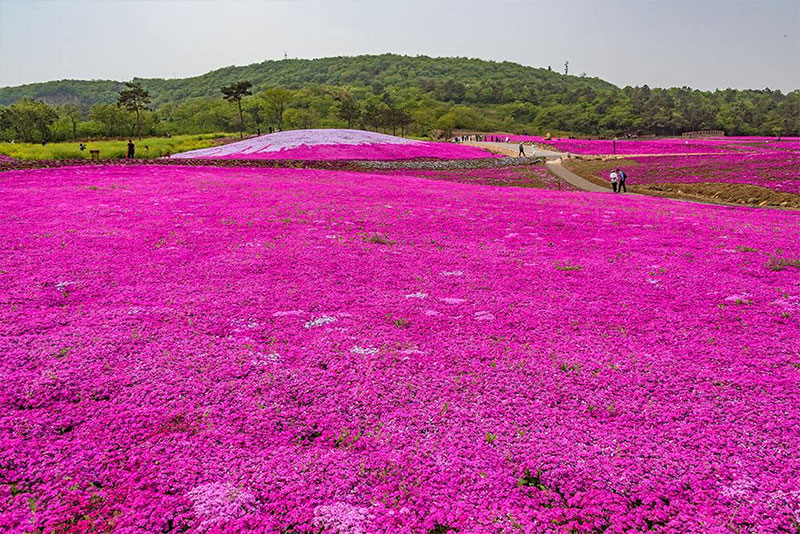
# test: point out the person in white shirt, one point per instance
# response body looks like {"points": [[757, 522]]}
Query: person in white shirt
{"points": [[614, 179]]}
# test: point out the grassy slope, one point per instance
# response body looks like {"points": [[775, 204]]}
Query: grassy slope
{"points": [[114, 148]]}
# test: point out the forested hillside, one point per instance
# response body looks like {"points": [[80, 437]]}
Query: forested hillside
{"points": [[416, 95]]}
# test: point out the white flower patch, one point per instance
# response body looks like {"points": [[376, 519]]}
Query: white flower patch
{"points": [[790, 302], [62, 286], [452, 300], [452, 273], [652, 281], [295, 138], [319, 321], [288, 313], [266, 359], [216, 502], [364, 350], [484, 316], [740, 488], [248, 323], [737, 298], [417, 295], [431, 313], [342, 518], [512, 234]]}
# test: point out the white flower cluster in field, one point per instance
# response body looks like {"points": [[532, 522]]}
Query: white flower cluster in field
{"points": [[295, 138]]}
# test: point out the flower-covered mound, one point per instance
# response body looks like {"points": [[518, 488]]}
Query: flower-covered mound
{"points": [[706, 145], [287, 350], [335, 145]]}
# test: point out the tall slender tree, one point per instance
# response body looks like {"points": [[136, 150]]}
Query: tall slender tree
{"points": [[349, 109], [234, 93], [135, 98], [277, 100], [71, 112]]}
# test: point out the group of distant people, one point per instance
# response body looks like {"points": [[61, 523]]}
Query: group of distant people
{"points": [[618, 178], [481, 138]]}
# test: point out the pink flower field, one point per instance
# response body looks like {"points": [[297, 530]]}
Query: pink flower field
{"points": [[535, 176], [200, 349], [335, 144], [664, 146], [776, 170]]}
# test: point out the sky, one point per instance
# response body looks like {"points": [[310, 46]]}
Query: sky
{"points": [[704, 44]]}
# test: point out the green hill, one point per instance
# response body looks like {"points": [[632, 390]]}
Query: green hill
{"points": [[410, 95], [460, 80]]}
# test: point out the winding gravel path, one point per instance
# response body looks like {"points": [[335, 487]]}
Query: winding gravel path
{"points": [[554, 166], [553, 163], [512, 149]]}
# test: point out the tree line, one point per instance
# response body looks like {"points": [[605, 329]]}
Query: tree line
{"points": [[380, 95]]}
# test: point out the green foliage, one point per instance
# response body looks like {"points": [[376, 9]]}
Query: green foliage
{"points": [[277, 100], [114, 120], [348, 108], [417, 96], [28, 120], [135, 99], [234, 93]]}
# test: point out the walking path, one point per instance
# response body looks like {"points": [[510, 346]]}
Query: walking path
{"points": [[512, 149], [554, 166]]}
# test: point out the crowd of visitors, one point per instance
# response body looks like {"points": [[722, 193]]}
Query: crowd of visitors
{"points": [[482, 138]]}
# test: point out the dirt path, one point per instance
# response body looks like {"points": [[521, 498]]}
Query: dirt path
{"points": [[512, 149], [567, 175], [553, 163]]}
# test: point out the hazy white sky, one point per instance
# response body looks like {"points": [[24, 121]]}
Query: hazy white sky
{"points": [[705, 44]]}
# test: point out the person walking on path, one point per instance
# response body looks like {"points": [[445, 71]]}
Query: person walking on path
{"points": [[131, 149], [622, 177], [521, 150], [614, 177]]}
